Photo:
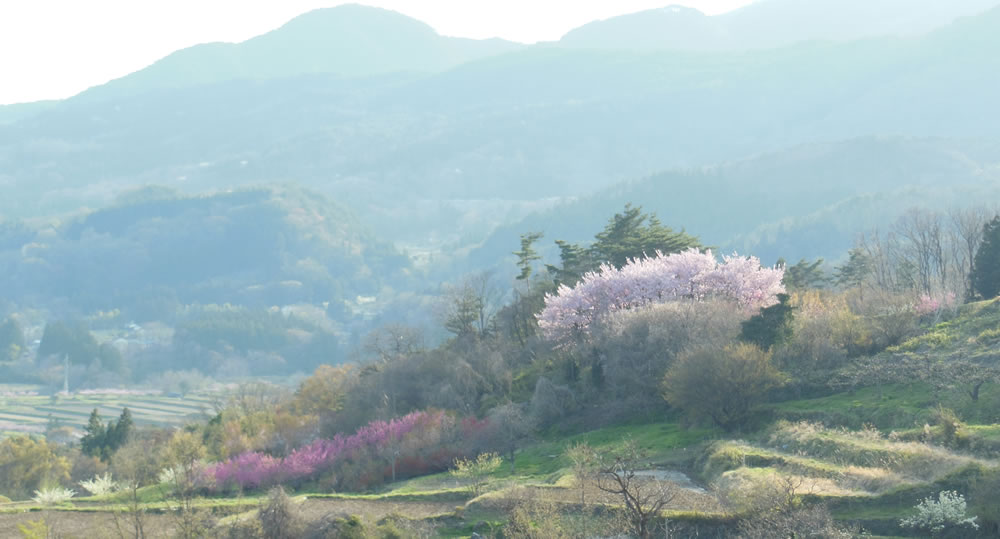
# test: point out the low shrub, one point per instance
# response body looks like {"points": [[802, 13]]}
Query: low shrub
{"points": [[53, 496], [945, 515], [100, 485]]}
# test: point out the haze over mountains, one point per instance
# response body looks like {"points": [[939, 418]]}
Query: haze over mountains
{"points": [[769, 23], [434, 142]]}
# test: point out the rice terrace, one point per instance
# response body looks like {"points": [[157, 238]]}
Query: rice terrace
{"points": [[24, 410]]}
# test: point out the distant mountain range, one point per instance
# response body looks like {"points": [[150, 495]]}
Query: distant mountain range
{"points": [[806, 201], [435, 141], [770, 23]]}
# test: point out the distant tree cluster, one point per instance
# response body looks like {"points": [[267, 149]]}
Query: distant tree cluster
{"points": [[74, 340], [924, 252], [241, 328], [27, 464], [100, 440], [11, 340]]}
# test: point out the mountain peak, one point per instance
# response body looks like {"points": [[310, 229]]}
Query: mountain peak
{"points": [[675, 9], [353, 18], [669, 27], [349, 40]]}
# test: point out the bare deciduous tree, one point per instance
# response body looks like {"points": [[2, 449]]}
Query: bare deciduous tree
{"points": [[644, 498], [135, 464], [967, 235], [393, 342]]}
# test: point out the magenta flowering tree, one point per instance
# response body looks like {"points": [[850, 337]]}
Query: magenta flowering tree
{"points": [[407, 436], [692, 275], [249, 470]]}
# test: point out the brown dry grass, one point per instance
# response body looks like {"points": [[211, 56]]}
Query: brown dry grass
{"points": [[100, 524], [504, 499]]}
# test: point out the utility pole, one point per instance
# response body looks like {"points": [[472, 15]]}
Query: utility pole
{"points": [[66, 374]]}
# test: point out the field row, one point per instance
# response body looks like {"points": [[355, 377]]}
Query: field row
{"points": [[26, 413]]}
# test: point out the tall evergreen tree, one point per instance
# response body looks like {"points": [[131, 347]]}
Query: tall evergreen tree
{"points": [[573, 260], [804, 275], [527, 254], [985, 277], [633, 234], [123, 429], [628, 235], [94, 435]]}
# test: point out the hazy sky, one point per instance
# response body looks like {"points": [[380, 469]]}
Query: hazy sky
{"points": [[57, 48]]}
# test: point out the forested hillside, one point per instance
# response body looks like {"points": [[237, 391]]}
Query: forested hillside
{"points": [[809, 201], [155, 250]]}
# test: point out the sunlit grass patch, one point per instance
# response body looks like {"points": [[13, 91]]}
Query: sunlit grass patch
{"points": [[546, 461]]}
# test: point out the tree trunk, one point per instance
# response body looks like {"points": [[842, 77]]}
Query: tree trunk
{"points": [[975, 391]]}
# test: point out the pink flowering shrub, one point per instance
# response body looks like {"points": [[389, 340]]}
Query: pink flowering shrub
{"points": [[929, 305], [690, 275], [419, 443]]}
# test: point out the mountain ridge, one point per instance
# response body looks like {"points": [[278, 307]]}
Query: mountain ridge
{"points": [[769, 24], [349, 40]]}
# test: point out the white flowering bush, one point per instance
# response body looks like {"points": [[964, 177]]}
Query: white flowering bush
{"points": [[53, 496], [936, 516], [100, 485], [167, 476]]}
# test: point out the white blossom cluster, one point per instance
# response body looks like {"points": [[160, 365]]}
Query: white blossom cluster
{"points": [[936, 515], [100, 485], [53, 496]]}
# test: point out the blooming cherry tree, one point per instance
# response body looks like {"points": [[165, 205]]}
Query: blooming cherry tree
{"points": [[689, 275]]}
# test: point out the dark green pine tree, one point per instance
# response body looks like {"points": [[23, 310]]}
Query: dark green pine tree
{"points": [[574, 264], [123, 429], [804, 275], [527, 254], [107, 447], [628, 235], [633, 234], [854, 272], [92, 441], [772, 326], [985, 276]]}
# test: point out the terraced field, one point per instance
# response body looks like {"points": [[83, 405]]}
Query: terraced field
{"points": [[22, 409]]}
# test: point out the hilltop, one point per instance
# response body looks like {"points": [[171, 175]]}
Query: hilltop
{"points": [[348, 41]]}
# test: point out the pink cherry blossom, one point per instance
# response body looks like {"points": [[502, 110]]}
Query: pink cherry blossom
{"points": [[692, 275]]}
